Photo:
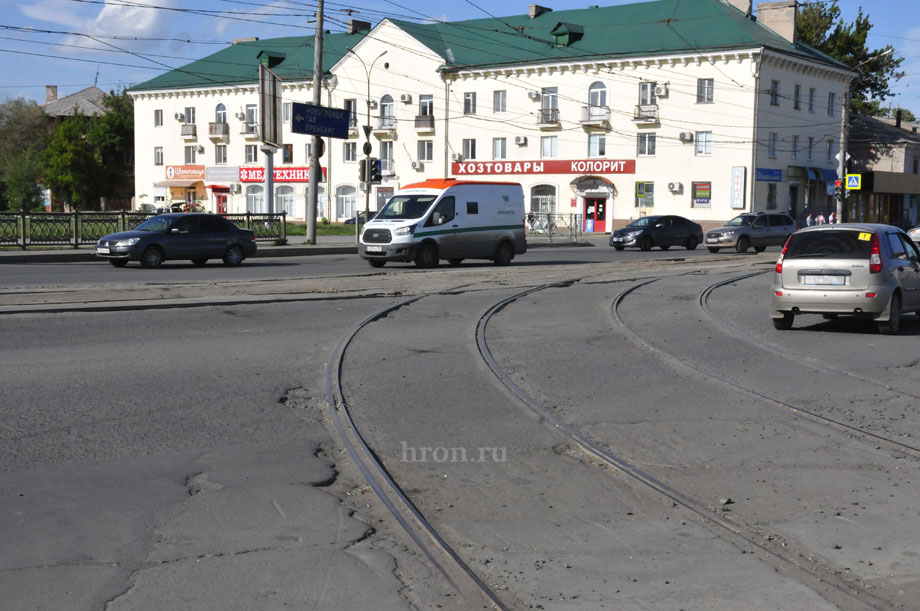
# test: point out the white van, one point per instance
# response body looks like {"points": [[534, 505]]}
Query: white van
{"points": [[447, 219]]}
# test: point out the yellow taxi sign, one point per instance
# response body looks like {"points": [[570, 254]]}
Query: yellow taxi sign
{"points": [[865, 237], [854, 182]]}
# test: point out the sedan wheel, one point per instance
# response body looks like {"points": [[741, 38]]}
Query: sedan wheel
{"points": [[233, 256], [893, 324], [152, 257], [646, 243], [692, 243]]}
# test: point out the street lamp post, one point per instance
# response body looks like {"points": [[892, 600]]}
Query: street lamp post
{"points": [[367, 144], [844, 120]]}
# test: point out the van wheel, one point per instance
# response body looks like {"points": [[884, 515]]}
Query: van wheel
{"points": [[893, 324], [455, 262], [426, 257], [504, 254], [376, 262], [743, 244]]}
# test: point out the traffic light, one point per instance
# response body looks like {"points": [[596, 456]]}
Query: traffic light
{"points": [[838, 189], [362, 170], [375, 170]]}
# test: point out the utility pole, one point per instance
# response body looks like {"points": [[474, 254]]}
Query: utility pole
{"points": [[315, 152]]}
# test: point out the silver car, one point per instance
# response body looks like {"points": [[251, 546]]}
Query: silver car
{"points": [[860, 269]]}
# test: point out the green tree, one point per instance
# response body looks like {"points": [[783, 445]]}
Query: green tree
{"points": [[23, 127], [819, 25]]}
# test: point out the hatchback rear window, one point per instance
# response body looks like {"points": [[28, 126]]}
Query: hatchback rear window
{"points": [[833, 244]]}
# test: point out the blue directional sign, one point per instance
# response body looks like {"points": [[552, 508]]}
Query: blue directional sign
{"points": [[319, 120], [854, 181]]}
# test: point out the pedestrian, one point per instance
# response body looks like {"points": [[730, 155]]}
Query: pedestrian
{"points": [[809, 220], [832, 218], [820, 220]]}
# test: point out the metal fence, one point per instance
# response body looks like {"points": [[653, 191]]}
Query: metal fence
{"points": [[551, 225], [75, 229]]}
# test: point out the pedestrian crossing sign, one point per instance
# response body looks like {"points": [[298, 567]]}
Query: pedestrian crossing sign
{"points": [[854, 182]]}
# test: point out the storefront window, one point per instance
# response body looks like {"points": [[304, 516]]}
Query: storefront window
{"points": [[255, 199]]}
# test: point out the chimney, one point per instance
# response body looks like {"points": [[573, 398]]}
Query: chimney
{"points": [[536, 10], [50, 93], [356, 27], [779, 17], [742, 5], [897, 118]]}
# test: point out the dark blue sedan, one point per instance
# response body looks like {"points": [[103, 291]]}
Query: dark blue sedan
{"points": [[167, 237]]}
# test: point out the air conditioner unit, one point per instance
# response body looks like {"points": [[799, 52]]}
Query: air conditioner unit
{"points": [[362, 186], [686, 136], [675, 186], [457, 156], [417, 165], [200, 148], [236, 188], [533, 95], [179, 116], [406, 98], [522, 140], [661, 91], [372, 103]]}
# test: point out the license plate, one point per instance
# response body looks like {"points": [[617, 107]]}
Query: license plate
{"points": [[374, 249], [824, 280], [617, 239], [711, 240], [102, 250]]}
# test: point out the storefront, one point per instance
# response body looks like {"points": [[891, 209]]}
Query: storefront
{"points": [[183, 184]]}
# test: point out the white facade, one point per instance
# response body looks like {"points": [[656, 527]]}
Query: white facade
{"points": [[702, 135]]}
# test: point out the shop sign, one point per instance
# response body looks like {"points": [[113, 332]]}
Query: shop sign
{"points": [[279, 175], [185, 172], [546, 166], [768, 175], [739, 176], [702, 193]]}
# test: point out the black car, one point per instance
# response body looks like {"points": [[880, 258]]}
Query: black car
{"points": [[351, 221], [197, 237], [663, 231]]}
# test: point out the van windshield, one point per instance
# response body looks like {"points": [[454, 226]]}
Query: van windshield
{"points": [[832, 244], [406, 207]]}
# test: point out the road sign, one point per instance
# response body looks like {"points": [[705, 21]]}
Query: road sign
{"points": [[319, 120], [854, 182], [837, 156]]}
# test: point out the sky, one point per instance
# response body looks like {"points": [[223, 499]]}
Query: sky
{"points": [[114, 44]]}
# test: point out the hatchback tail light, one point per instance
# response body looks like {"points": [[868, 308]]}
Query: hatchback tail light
{"points": [[875, 258], [782, 255]]}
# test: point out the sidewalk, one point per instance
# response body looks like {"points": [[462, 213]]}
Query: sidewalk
{"points": [[296, 247]]}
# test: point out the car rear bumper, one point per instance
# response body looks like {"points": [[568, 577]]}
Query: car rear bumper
{"points": [[809, 301]]}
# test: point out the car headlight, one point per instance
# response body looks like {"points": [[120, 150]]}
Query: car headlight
{"points": [[128, 242], [633, 234], [405, 230], [728, 233]]}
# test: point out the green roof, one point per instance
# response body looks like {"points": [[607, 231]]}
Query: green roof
{"points": [[239, 63], [629, 30]]}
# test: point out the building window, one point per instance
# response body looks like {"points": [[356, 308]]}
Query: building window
{"points": [[190, 154], [284, 199], [774, 93], [255, 199], [704, 90], [646, 145], [916, 165], [286, 112], [252, 118], [701, 194], [158, 118], [220, 114], [597, 95], [469, 148], [542, 201], [252, 153], [597, 145], [771, 196], [645, 194], [831, 101], [426, 150], [549, 147], [387, 112], [386, 153], [189, 115], [158, 156], [771, 147], [345, 199], [220, 154], [499, 100], [704, 143], [811, 99], [829, 150], [797, 97], [647, 93], [308, 150], [499, 148], [351, 106], [287, 153], [795, 147], [426, 105], [469, 103], [811, 148], [350, 151], [549, 98]]}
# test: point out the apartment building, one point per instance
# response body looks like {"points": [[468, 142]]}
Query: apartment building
{"points": [[687, 107]]}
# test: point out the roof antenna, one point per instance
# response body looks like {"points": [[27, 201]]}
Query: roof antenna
{"points": [[96, 80]]}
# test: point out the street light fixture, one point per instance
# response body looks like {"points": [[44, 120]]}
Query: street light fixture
{"points": [[844, 120], [367, 145]]}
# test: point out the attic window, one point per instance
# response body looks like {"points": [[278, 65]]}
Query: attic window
{"points": [[271, 58], [567, 33]]}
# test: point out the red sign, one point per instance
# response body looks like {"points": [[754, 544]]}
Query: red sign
{"points": [[279, 174], [545, 166], [185, 172]]}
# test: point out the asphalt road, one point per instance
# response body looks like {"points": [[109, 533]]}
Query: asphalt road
{"points": [[177, 453]]}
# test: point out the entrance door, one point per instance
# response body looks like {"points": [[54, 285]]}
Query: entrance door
{"points": [[794, 201], [221, 201], [596, 214]]}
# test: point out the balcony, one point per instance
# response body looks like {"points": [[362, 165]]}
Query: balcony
{"points": [[387, 167], [189, 131], [219, 132], [386, 126], [595, 116], [646, 113], [424, 124], [548, 118], [250, 131]]}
